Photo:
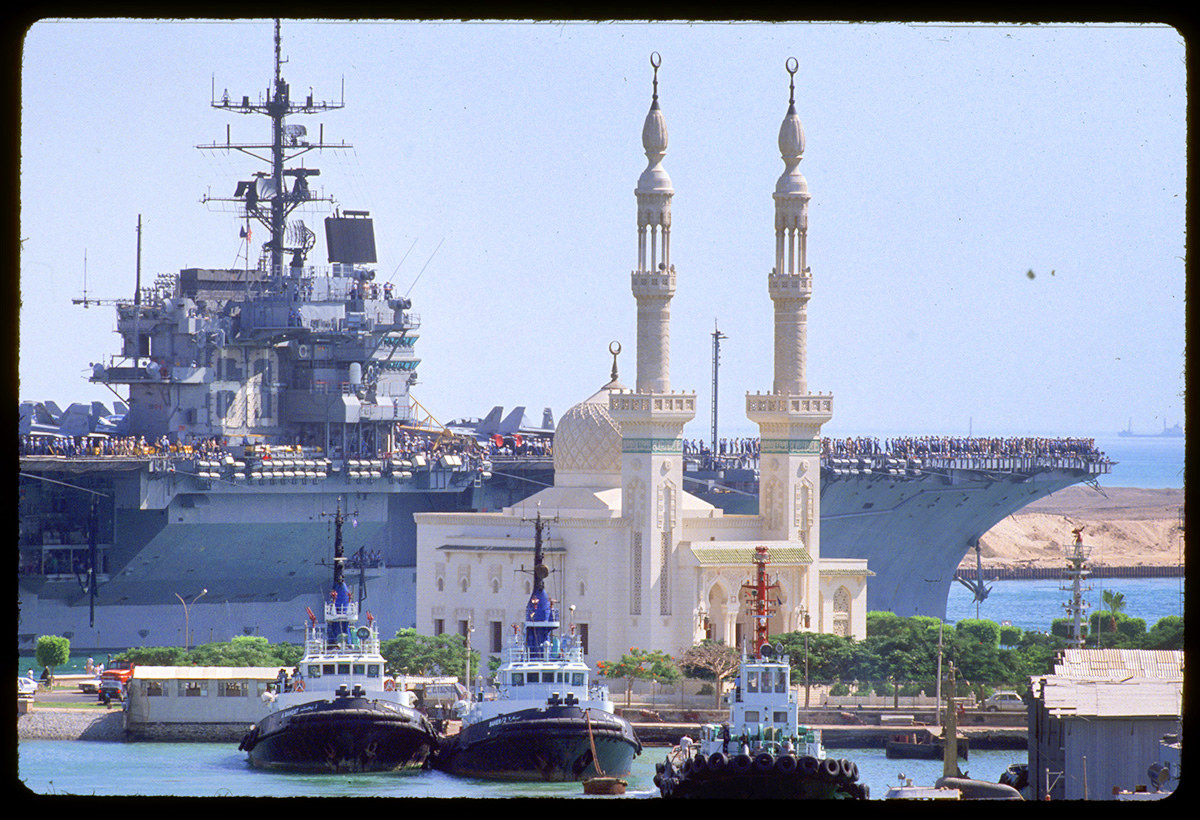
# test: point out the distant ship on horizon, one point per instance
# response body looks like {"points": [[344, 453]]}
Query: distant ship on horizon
{"points": [[1167, 432]]}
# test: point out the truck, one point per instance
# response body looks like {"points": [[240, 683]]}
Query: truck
{"points": [[114, 679]]}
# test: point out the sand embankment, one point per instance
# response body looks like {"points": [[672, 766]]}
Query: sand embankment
{"points": [[1125, 526]]}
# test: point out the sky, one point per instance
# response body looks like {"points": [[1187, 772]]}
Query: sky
{"points": [[996, 230]]}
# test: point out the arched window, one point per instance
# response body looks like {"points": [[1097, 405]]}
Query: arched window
{"points": [[841, 611]]}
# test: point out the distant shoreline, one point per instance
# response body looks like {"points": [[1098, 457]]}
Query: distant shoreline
{"points": [[1126, 527]]}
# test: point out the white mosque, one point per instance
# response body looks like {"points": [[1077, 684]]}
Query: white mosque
{"points": [[635, 560]]}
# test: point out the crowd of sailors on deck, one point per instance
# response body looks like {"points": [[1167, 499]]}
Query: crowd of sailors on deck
{"points": [[743, 452], [740, 452], [963, 447]]}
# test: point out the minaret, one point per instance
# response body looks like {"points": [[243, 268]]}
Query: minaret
{"points": [[651, 417], [789, 417]]}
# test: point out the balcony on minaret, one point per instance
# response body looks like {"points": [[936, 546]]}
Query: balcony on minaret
{"points": [[655, 284], [809, 409], [790, 285], [667, 406]]}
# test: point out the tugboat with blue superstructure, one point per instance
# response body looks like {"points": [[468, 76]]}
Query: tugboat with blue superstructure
{"points": [[761, 751], [340, 712], [546, 720]]}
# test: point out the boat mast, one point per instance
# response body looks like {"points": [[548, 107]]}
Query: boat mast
{"points": [[761, 609], [266, 197]]}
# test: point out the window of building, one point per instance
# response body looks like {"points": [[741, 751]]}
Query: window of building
{"points": [[518, 678], [497, 636], [752, 716], [439, 626], [231, 689], [343, 669], [193, 688], [359, 669], [373, 670], [583, 637], [155, 689], [314, 670], [327, 669]]}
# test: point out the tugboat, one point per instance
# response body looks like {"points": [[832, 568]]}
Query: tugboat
{"points": [[546, 720], [762, 751], [340, 713]]}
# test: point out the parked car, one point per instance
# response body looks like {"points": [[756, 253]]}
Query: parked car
{"points": [[90, 686], [1004, 702], [111, 689], [26, 688]]}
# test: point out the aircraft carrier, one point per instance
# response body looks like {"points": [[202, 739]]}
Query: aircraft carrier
{"points": [[260, 396]]}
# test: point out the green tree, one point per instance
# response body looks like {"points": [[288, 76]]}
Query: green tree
{"points": [[639, 664], [710, 659], [410, 653], [1166, 634], [52, 651], [155, 656]]}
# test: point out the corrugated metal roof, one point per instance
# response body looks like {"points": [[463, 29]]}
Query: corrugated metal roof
{"points": [[1115, 664], [1112, 699], [710, 553], [206, 672]]}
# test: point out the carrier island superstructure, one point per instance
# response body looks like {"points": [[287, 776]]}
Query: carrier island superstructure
{"points": [[251, 400], [255, 398]]}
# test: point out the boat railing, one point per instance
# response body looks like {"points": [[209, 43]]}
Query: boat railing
{"points": [[562, 650], [318, 644]]}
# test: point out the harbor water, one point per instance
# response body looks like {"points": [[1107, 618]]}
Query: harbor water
{"points": [[91, 768]]}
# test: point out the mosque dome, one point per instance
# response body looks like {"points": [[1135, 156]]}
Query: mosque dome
{"points": [[587, 443]]}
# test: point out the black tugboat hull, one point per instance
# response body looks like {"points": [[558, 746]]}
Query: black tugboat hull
{"points": [[344, 735], [765, 777], [541, 744]]}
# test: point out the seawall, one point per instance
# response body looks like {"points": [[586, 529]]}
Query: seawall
{"points": [[81, 724], [1057, 572], [71, 724]]}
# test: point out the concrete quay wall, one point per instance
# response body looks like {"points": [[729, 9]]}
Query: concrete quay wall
{"points": [[80, 724]]}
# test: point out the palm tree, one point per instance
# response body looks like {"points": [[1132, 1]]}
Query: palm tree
{"points": [[1114, 603]]}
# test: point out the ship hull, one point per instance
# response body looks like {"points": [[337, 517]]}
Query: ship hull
{"points": [[542, 744], [164, 533], [764, 777], [343, 735]]}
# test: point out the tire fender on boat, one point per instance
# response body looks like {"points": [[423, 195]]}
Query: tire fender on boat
{"points": [[717, 761], [764, 762], [786, 764], [850, 769], [831, 768], [809, 765], [742, 763], [699, 765]]}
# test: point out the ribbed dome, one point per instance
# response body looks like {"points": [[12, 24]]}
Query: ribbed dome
{"points": [[791, 148], [791, 135], [587, 444], [654, 139]]}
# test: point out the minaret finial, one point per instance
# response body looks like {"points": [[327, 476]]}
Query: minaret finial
{"points": [[792, 65], [614, 347], [655, 61]]}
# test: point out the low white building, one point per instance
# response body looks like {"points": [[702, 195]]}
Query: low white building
{"points": [[636, 560], [196, 702], [1098, 719]]}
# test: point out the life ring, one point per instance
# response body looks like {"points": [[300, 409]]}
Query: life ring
{"points": [[389, 685], [299, 687]]}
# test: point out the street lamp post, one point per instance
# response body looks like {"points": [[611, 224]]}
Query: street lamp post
{"points": [[187, 630]]}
